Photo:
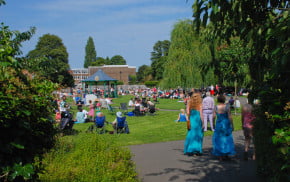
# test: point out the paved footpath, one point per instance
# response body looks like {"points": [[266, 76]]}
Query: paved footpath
{"points": [[165, 162]]}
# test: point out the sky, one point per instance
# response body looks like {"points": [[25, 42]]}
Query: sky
{"points": [[129, 28]]}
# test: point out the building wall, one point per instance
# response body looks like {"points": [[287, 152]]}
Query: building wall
{"points": [[79, 74], [118, 72]]}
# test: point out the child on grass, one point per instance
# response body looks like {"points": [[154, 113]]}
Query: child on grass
{"points": [[182, 117]]}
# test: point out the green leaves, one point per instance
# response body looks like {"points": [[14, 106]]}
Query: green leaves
{"points": [[25, 104], [91, 54], [50, 60], [25, 171]]}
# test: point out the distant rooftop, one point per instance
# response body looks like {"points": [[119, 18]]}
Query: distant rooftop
{"points": [[105, 66]]}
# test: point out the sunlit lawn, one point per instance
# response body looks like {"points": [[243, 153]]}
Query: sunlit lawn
{"points": [[150, 129]]}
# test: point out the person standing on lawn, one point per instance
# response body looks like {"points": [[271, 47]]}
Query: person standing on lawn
{"points": [[194, 137]]}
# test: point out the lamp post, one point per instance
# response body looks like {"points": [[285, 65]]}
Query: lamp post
{"points": [[120, 75]]}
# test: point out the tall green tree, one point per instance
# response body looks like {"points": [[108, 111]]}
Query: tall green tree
{"points": [[91, 54], [186, 54], [143, 73], [52, 59], [159, 58], [233, 59], [117, 60], [264, 27]]}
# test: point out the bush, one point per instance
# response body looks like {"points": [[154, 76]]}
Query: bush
{"points": [[151, 83], [25, 105], [272, 138], [88, 157]]}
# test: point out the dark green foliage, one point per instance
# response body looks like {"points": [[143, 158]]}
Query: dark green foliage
{"points": [[159, 58], [91, 54], [25, 105], [272, 141], [50, 60], [120, 83], [2, 2], [264, 27], [151, 83], [117, 60], [132, 79], [143, 73], [99, 62]]}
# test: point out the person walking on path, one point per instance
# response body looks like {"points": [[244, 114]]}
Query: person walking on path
{"points": [[208, 111], [247, 119], [194, 137], [223, 143]]}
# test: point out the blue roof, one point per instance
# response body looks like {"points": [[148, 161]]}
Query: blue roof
{"points": [[99, 76]]}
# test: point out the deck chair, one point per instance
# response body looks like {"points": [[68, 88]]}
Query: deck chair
{"points": [[124, 108], [122, 126], [100, 124]]}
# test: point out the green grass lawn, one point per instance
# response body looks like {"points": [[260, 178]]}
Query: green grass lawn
{"points": [[150, 129]]}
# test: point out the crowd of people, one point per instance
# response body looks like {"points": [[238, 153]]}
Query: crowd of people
{"points": [[199, 111]]}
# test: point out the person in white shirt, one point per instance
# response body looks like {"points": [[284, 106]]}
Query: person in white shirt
{"points": [[208, 111]]}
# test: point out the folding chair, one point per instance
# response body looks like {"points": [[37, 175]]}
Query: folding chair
{"points": [[122, 126], [124, 108], [100, 124]]}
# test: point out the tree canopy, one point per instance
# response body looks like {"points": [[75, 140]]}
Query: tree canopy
{"points": [[91, 54], [52, 60], [117, 60], [159, 58], [186, 54], [263, 26], [144, 73]]}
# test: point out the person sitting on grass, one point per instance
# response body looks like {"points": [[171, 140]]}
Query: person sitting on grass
{"points": [[182, 117], [80, 116]]}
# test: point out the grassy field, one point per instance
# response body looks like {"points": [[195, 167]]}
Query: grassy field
{"points": [[150, 129]]}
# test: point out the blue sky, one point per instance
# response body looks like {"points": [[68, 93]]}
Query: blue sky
{"points": [[129, 28]]}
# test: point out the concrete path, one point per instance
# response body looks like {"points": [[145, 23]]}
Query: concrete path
{"points": [[165, 162]]}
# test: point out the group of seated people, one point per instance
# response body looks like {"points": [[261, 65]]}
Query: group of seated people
{"points": [[119, 125], [142, 106]]}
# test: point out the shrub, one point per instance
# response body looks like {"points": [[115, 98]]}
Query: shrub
{"points": [[25, 106], [151, 83], [88, 157], [272, 138]]}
